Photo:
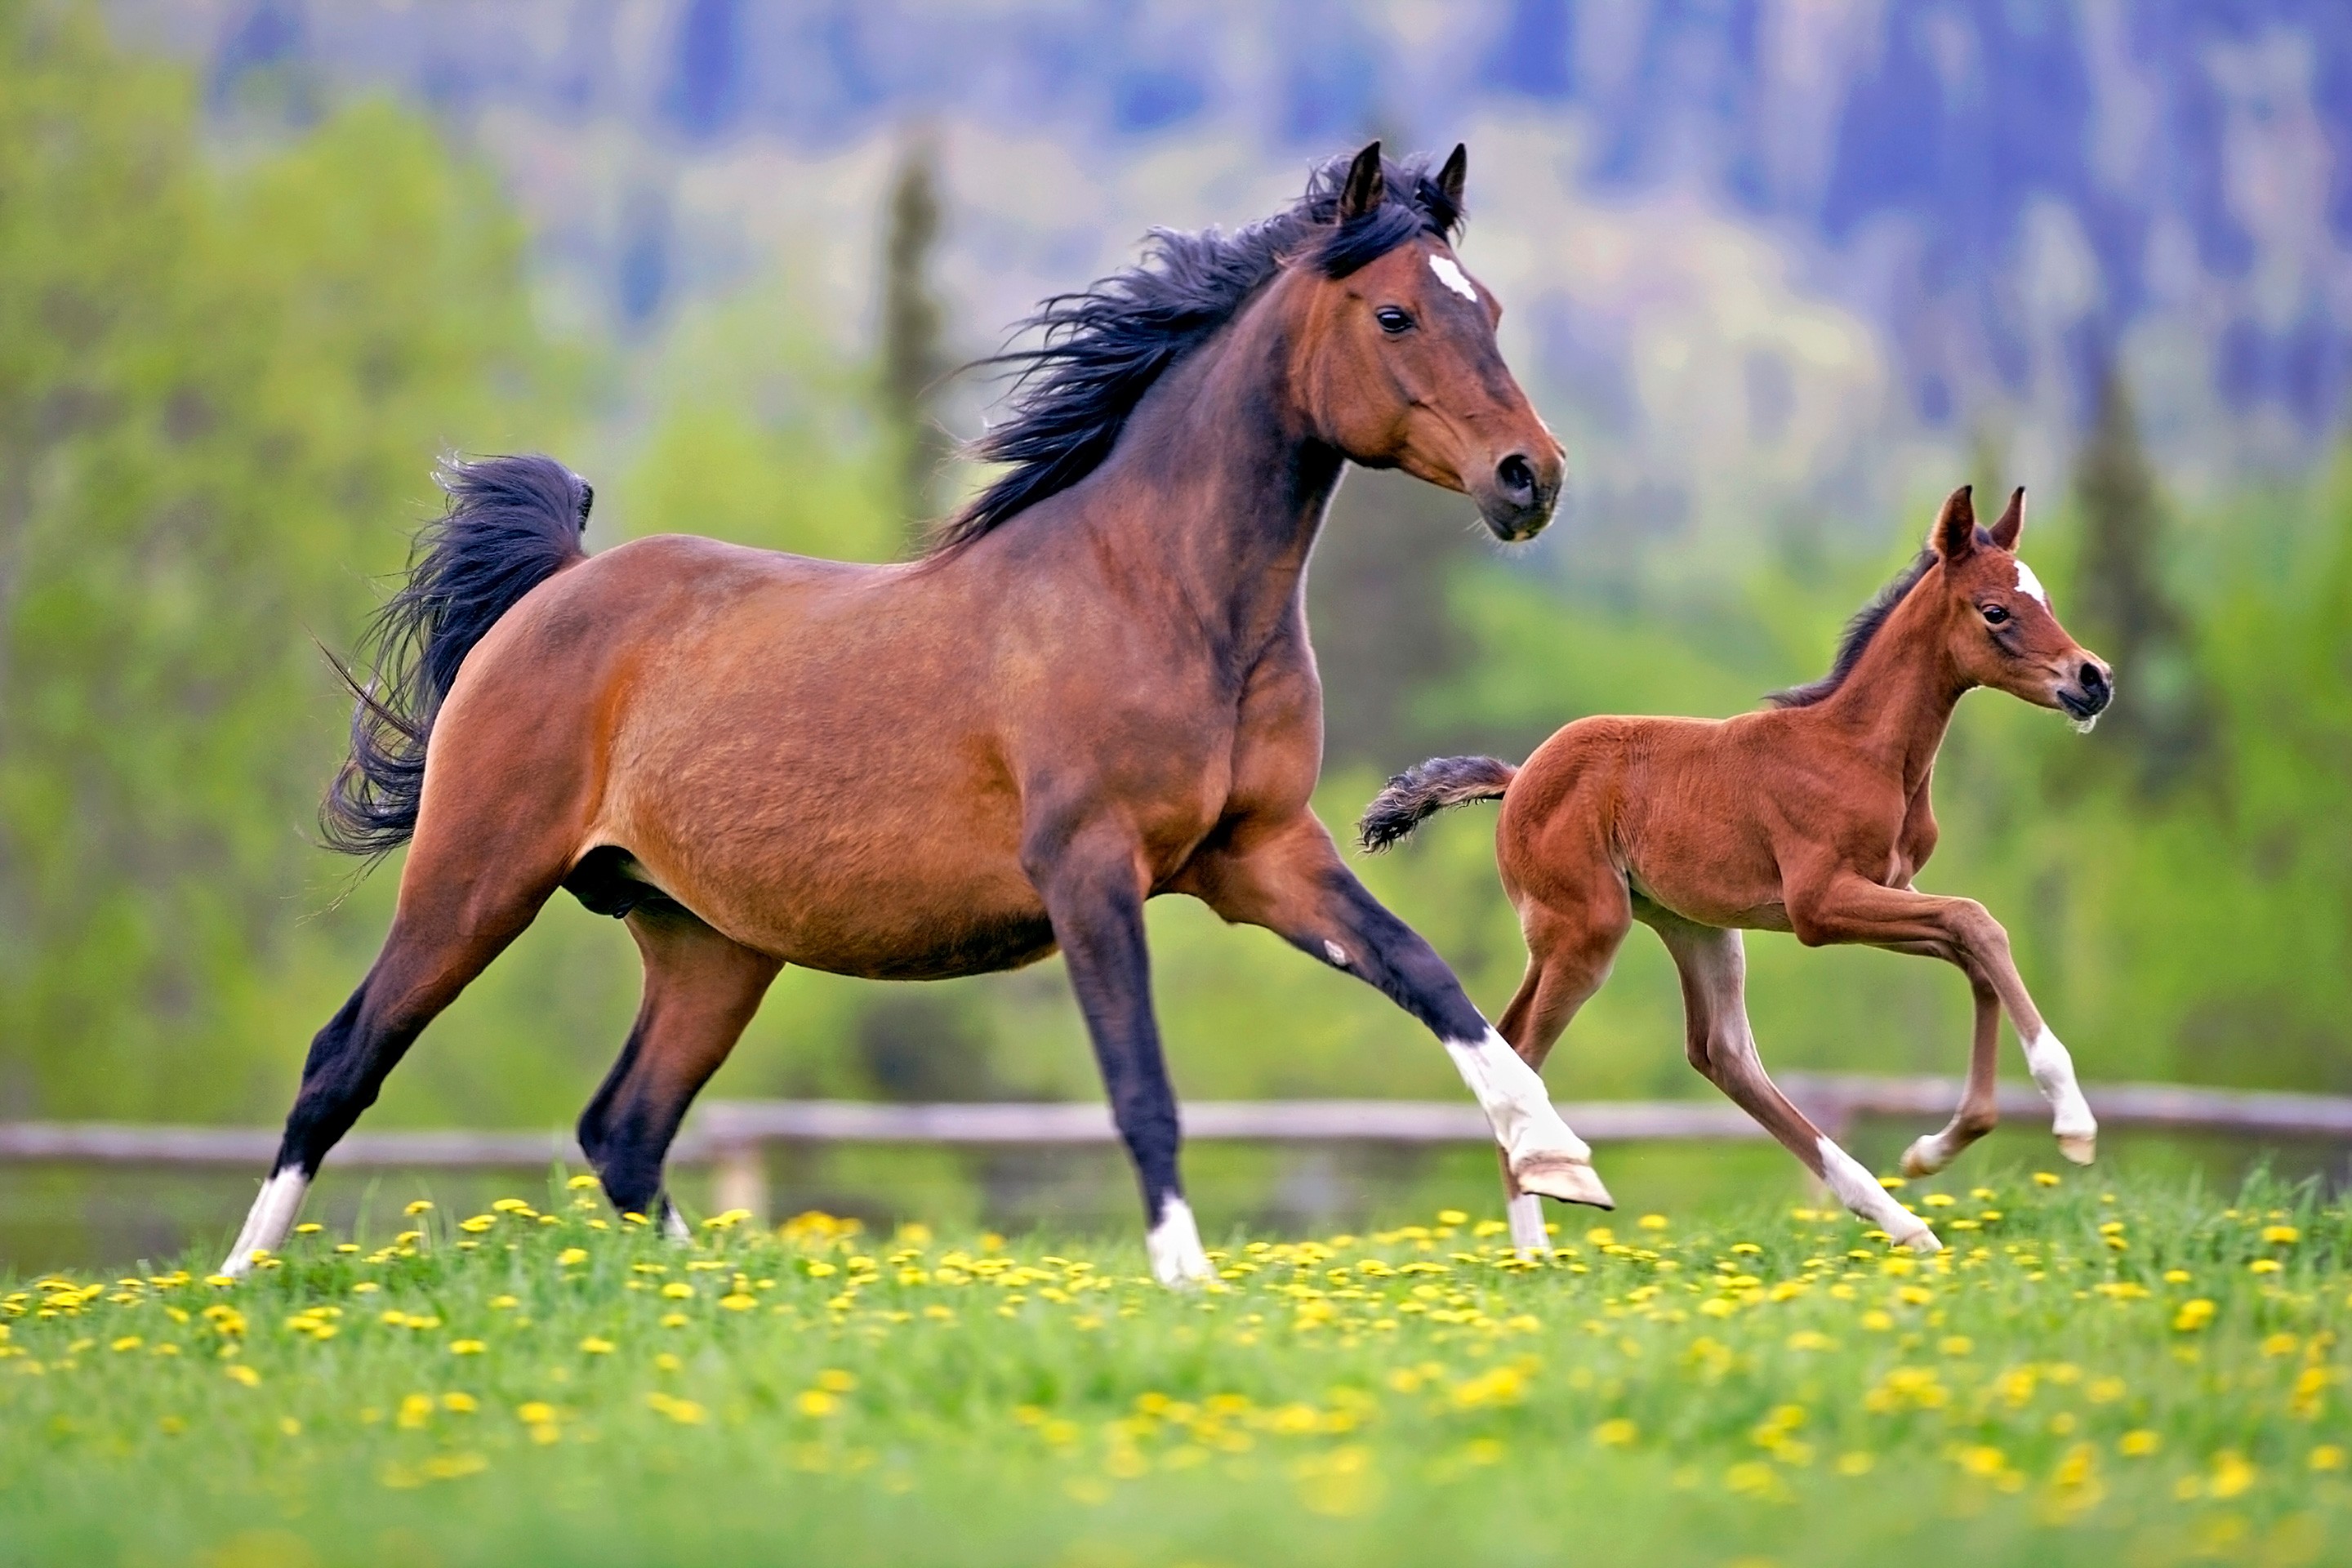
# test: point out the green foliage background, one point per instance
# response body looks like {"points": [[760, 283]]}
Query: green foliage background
{"points": [[226, 363]]}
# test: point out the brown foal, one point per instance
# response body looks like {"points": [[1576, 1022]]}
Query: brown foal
{"points": [[1810, 816], [1097, 689]]}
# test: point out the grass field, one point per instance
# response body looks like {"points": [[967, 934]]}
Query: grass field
{"points": [[2097, 1372]]}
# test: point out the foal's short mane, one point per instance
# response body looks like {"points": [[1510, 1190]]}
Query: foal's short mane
{"points": [[1865, 625], [1102, 348]]}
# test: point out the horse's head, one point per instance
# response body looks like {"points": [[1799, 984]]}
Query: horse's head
{"points": [[1396, 353], [1998, 624]]}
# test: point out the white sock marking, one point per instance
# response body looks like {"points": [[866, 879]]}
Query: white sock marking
{"points": [[674, 1224], [2027, 583], [1453, 277], [2054, 1073], [1174, 1245], [268, 1221], [1859, 1191], [1525, 1212], [1513, 1097]]}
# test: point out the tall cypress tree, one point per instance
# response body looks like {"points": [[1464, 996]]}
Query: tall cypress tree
{"points": [[914, 355], [2158, 727]]}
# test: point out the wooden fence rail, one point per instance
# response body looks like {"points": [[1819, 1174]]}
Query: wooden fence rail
{"points": [[734, 1136]]}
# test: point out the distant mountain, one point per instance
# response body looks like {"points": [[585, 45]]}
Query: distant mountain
{"points": [[1818, 244]]}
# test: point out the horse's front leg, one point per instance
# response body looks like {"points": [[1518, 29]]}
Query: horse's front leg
{"points": [[1980, 1107], [1289, 878], [1093, 885]]}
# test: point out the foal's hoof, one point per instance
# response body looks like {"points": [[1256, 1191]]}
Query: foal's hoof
{"points": [[1919, 1240], [1558, 1176], [2080, 1147], [1925, 1157]]}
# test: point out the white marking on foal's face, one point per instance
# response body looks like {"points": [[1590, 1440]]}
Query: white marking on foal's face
{"points": [[2027, 583], [1453, 277]]}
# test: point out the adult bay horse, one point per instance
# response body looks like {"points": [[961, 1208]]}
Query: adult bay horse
{"points": [[1810, 816], [1096, 687]]}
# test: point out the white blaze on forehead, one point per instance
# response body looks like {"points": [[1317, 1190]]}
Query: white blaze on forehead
{"points": [[2027, 583], [1453, 277]]}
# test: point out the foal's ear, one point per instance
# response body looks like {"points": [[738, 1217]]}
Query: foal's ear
{"points": [[1955, 534], [2012, 521], [1450, 178], [1367, 185]]}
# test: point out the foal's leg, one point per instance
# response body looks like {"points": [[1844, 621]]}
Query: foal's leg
{"points": [[1980, 1108], [456, 914], [1714, 966], [1093, 885], [1569, 955], [1848, 909], [1289, 879], [702, 988]]}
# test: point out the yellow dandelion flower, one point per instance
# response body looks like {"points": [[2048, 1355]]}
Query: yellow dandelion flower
{"points": [[478, 1223], [674, 1320], [572, 1255], [415, 1410], [2138, 1444], [289, 1426], [2176, 1277], [1450, 1216], [737, 1302], [1652, 1222], [1855, 1463], [2281, 1235], [2193, 1315], [677, 1290], [2231, 1475], [833, 1380], [537, 1412], [667, 1362], [1939, 1200], [816, 1402], [1617, 1434], [421, 1205], [546, 1432], [511, 1206], [240, 1372], [2044, 1179], [503, 1303], [127, 1342], [581, 1183], [2263, 1265], [308, 1227], [467, 1347], [2327, 1456]]}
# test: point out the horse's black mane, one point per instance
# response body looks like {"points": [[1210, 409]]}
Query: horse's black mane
{"points": [[1865, 625], [1104, 347]]}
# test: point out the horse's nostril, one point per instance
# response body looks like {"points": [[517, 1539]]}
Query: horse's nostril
{"points": [[1517, 477], [2093, 678]]}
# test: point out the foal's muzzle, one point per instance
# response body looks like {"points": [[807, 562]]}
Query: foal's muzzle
{"points": [[2088, 694]]}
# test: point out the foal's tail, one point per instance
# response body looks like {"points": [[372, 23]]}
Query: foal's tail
{"points": [[1424, 791], [512, 523]]}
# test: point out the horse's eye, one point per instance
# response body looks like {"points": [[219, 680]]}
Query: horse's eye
{"points": [[1994, 614], [1391, 319]]}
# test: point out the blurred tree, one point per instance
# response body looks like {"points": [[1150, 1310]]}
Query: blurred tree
{"points": [[2160, 727], [217, 395], [914, 355]]}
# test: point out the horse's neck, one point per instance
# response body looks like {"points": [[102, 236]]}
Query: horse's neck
{"points": [[1897, 703], [1217, 486]]}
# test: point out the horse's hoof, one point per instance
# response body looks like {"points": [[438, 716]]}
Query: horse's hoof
{"points": [[2080, 1147], [1921, 1158], [1558, 1176], [1919, 1240]]}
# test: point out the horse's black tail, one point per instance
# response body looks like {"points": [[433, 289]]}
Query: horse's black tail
{"points": [[511, 524], [1420, 792]]}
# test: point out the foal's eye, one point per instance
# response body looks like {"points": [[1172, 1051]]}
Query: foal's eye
{"points": [[1391, 319], [1994, 614]]}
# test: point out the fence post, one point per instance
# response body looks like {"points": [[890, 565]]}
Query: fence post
{"points": [[742, 1180]]}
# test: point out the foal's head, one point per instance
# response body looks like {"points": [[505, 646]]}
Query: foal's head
{"points": [[1999, 628], [1396, 360]]}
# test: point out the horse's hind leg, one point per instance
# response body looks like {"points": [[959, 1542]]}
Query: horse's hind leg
{"points": [[702, 989], [456, 914], [1980, 1108], [1569, 957], [1714, 967]]}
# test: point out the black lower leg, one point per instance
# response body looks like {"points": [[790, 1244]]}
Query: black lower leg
{"points": [[1390, 956], [349, 1060]]}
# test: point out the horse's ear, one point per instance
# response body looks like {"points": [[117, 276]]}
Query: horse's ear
{"points": [[2005, 532], [1955, 535], [1367, 185], [1451, 178]]}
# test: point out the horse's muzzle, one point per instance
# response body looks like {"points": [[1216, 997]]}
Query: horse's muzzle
{"points": [[2088, 694], [1519, 497]]}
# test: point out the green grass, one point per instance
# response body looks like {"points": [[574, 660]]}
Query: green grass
{"points": [[1768, 1385]]}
